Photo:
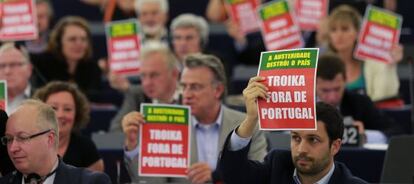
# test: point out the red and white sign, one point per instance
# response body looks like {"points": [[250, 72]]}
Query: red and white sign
{"points": [[279, 28], [309, 13], [124, 44], [379, 33], [18, 21], [164, 141], [243, 12], [290, 77]]}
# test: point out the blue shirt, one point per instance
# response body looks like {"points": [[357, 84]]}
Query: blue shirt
{"points": [[207, 136]]}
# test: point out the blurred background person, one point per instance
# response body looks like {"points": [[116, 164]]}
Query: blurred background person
{"points": [[69, 56], [189, 35], [378, 80], [44, 13], [159, 82], [153, 16], [72, 111], [330, 88], [16, 70], [32, 142]]}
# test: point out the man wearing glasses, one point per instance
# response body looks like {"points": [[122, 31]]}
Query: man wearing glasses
{"points": [[32, 141], [203, 82], [16, 69]]}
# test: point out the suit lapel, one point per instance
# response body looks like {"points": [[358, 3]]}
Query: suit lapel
{"points": [[194, 149]]}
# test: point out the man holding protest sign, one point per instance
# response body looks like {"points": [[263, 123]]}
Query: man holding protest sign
{"points": [[159, 80], [311, 159], [204, 86]]}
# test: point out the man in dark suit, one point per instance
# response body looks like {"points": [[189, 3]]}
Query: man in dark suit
{"points": [[6, 165], [32, 142], [311, 159]]}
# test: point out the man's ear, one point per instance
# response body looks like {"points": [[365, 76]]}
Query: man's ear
{"points": [[219, 90], [335, 146]]}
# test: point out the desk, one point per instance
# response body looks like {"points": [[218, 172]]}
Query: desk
{"points": [[364, 163]]}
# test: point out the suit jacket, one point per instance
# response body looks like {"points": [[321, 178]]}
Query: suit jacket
{"points": [[6, 165], [276, 168], [361, 108], [231, 119], [65, 174], [132, 100]]}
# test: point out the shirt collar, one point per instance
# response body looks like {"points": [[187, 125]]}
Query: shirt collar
{"points": [[217, 122], [27, 91], [323, 180], [175, 99]]}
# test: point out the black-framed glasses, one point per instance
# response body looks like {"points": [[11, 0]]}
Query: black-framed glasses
{"points": [[21, 139]]}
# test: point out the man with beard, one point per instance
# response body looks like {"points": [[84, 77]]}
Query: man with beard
{"points": [[153, 16], [311, 159]]}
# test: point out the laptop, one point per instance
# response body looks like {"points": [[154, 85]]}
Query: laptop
{"points": [[399, 160]]}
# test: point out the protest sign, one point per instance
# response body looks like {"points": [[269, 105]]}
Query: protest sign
{"points": [[3, 95], [243, 13], [278, 26], [380, 31], [18, 21], [164, 140], [310, 12], [290, 77], [124, 44]]}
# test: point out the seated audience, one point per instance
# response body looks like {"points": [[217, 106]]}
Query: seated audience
{"points": [[69, 56], [330, 88], [377, 80], [72, 111], [203, 82], [44, 16], [32, 143], [159, 82], [16, 70]]}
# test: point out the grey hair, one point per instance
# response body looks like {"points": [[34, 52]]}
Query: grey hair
{"points": [[46, 117], [49, 7], [150, 47], [163, 4], [213, 64], [189, 20], [11, 45]]}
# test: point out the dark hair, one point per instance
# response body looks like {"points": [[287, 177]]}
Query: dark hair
{"points": [[212, 63], [332, 119], [81, 103], [330, 65], [55, 40]]}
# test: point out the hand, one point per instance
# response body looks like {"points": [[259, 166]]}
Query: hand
{"points": [[234, 31], [199, 173], [255, 89], [360, 126], [103, 65], [361, 130], [118, 82], [130, 126], [397, 53]]}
